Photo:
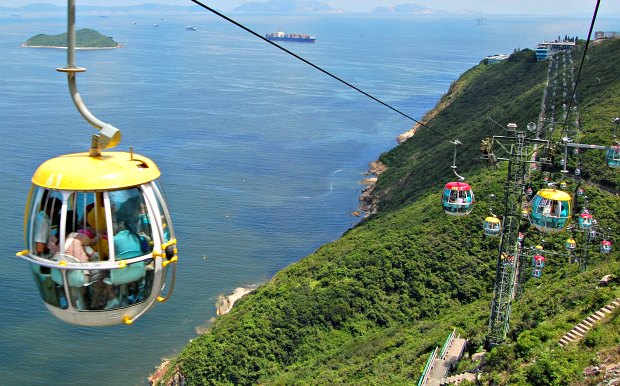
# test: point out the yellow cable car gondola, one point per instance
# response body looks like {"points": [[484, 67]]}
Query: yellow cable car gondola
{"points": [[551, 210], [492, 226], [97, 228], [571, 244], [98, 236]]}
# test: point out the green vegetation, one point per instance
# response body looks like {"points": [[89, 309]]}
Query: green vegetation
{"points": [[368, 308], [84, 38]]}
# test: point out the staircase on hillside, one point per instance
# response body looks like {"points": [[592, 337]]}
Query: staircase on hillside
{"points": [[582, 328], [458, 378], [440, 362]]}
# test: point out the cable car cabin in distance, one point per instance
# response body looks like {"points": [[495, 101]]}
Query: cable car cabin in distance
{"points": [[492, 226], [99, 238], [605, 246], [551, 210], [613, 157], [458, 199], [585, 221]]}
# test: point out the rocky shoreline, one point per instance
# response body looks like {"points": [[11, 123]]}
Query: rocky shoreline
{"points": [[368, 205], [223, 305]]}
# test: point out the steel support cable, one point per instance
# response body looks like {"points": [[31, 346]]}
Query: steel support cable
{"points": [[313, 65], [583, 58]]}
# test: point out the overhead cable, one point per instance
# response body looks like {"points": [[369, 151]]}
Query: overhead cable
{"points": [[583, 58]]}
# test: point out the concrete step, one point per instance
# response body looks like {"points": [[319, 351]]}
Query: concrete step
{"points": [[591, 319], [599, 314], [574, 334], [580, 329]]}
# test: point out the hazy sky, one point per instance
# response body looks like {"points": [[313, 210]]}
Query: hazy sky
{"points": [[530, 7]]}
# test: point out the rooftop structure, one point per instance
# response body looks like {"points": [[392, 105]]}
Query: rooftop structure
{"points": [[492, 59], [547, 49]]}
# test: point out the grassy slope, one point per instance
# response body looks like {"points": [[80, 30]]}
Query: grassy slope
{"points": [[369, 307]]}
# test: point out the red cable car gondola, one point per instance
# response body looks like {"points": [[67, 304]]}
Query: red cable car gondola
{"points": [[458, 199]]}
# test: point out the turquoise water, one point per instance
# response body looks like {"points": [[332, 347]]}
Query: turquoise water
{"points": [[261, 154]]}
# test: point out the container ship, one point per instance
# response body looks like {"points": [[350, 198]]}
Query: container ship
{"points": [[281, 36]]}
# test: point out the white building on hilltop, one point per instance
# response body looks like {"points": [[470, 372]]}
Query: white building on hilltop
{"points": [[547, 49], [492, 59]]}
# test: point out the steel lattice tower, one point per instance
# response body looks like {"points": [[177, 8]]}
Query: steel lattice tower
{"points": [[511, 263]]}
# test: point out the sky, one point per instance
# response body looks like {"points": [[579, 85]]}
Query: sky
{"points": [[515, 7]]}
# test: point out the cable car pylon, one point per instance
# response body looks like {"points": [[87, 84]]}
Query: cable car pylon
{"points": [[518, 150]]}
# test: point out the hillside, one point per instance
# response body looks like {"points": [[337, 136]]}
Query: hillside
{"points": [[369, 307], [84, 38]]}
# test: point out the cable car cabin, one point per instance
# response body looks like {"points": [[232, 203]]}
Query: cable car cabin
{"points": [[585, 221], [98, 237], [529, 191], [613, 157], [605, 246], [536, 273], [538, 261], [551, 210], [507, 259], [458, 199], [492, 226], [571, 244], [580, 191]]}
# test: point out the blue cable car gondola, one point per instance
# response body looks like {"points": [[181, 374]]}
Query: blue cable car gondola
{"points": [[585, 220], [613, 157], [605, 246], [551, 210], [538, 261], [458, 199]]}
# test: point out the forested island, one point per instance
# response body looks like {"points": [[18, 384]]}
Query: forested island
{"points": [[84, 39], [370, 307]]}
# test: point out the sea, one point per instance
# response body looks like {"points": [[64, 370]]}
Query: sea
{"points": [[261, 154]]}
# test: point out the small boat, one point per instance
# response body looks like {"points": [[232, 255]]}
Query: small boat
{"points": [[190, 28]]}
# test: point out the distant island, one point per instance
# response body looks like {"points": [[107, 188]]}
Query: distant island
{"points": [[84, 39]]}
